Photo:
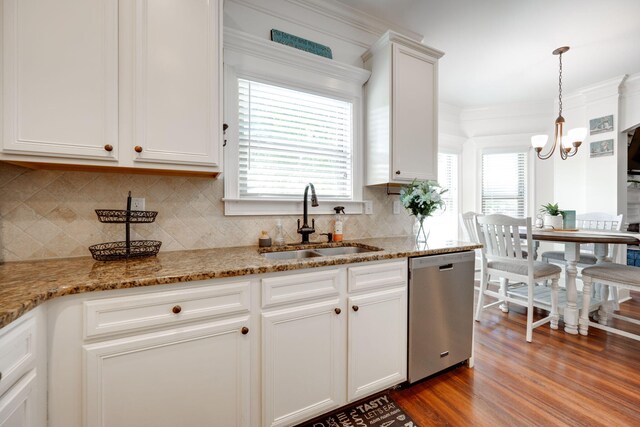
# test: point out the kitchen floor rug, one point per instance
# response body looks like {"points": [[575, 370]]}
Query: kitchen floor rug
{"points": [[377, 411]]}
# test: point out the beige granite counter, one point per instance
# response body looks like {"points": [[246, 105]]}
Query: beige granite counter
{"points": [[27, 284]]}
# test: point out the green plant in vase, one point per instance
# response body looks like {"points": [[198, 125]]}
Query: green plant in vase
{"points": [[422, 199], [552, 216]]}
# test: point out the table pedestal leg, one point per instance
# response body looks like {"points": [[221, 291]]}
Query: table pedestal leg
{"points": [[571, 254], [606, 306]]}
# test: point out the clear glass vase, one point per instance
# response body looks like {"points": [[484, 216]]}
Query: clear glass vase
{"points": [[419, 231]]}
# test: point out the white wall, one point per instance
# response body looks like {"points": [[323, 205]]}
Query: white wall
{"points": [[505, 126]]}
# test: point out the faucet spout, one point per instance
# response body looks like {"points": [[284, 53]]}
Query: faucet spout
{"points": [[305, 230]]}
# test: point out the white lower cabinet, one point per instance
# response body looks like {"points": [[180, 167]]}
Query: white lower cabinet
{"points": [[17, 405], [318, 356], [303, 364], [190, 376], [377, 341]]}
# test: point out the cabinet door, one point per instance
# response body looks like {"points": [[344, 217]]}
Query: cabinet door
{"points": [[303, 364], [177, 81], [192, 376], [377, 342], [17, 405], [61, 78], [414, 116]]}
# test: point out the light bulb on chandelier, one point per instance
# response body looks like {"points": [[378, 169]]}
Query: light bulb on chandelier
{"points": [[567, 143]]}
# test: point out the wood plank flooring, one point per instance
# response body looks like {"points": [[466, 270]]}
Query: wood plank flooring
{"points": [[558, 379]]}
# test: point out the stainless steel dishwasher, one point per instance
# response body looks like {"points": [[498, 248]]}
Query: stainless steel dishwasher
{"points": [[440, 312]]}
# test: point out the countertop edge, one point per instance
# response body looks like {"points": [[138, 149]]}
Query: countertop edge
{"points": [[36, 298]]}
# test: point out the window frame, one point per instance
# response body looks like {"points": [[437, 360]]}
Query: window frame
{"points": [[252, 58], [456, 150], [529, 178]]}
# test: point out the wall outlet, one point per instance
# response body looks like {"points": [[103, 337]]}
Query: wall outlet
{"points": [[397, 207], [137, 203], [368, 207]]}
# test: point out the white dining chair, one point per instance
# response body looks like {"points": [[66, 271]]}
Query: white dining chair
{"points": [[502, 257]]}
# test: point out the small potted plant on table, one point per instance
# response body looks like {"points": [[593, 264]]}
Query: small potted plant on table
{"points": [[553, 216]]}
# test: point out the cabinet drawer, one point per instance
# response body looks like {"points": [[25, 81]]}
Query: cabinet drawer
{"points": [[378, 276], [127, 313], [17, 352], [300, 287]]}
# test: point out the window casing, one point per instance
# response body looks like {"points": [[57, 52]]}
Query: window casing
{"points": [[444, 225], [255, 59], [504, 183]]}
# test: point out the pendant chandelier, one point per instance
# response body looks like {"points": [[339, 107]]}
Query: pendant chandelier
{"points": [[567, 144]]}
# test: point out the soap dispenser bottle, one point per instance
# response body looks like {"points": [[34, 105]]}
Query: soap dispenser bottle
{"points": [[338, 224]]}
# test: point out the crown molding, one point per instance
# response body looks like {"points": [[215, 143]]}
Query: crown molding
{"points": [[369, 25], [356, 18], [393, 37], [253, 46]]}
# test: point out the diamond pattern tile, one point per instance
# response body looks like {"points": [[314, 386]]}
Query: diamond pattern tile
{"points": [[50, 214]]}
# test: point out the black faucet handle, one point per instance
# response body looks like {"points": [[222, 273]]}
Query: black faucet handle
{"points": [[313, 223], [298, 223], [329, 236]]}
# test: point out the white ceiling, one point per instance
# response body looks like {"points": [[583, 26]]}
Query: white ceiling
{"points": [[499, 51]]}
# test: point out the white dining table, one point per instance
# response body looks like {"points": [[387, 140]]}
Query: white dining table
{"points": [[572, 241]]}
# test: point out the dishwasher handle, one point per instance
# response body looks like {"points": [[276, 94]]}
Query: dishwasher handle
{"points": [[444, 262], [446, 267]]}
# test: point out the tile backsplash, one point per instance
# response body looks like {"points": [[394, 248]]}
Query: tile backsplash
{"points": [[50, 214]]}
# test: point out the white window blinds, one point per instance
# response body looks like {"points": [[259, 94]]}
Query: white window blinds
{"points": [[444, 225], [289, 138], [504, 184]]}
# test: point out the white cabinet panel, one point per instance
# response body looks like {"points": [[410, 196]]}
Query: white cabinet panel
{"points": [[177, 81], [402, 111], [16, 407], [415, 137], [192, 376], [60, 84], [303, 363], [377, 342]]}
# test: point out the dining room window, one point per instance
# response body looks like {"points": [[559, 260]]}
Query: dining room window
{"points": [[444, 225], [504, 183]]}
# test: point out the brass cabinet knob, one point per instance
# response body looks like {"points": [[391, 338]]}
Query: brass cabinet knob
{"points": [[338, 311], [108, 147], [397, 172], [244, 330], [138, 149], [176, 309], [355, 308]]}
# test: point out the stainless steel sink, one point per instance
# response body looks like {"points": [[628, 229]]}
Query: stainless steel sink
{"points": [[299, 254], [317, 252], [343, 250]]}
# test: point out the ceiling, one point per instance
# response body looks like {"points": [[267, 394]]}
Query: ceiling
{"points": [[499, 51]]}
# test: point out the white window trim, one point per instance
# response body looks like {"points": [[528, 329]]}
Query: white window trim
{"points": [[520, 148], [457, 150], [254, 58]]}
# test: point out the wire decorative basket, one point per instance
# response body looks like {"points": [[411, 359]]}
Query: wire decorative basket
{"points": [[128, 248], [120, 250], [122, 216]]}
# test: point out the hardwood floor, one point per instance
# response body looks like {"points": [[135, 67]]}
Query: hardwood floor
{"points": [[558, 379]]}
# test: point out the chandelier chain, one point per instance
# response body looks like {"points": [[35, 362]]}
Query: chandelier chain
{"points": [[560, 86]]}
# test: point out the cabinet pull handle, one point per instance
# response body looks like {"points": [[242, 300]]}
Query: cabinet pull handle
{"points": [[338, 311], [397, 172], [244, 330], [138, 149], [108, 147], [355, 308], [176, 309]]}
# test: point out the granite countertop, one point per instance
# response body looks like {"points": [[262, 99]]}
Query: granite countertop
{"points": [[27, 284]]}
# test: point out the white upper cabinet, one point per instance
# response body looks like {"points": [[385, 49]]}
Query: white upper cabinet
{"points": [[61, 78], [136, 83], [177, 70], [401, 111]]}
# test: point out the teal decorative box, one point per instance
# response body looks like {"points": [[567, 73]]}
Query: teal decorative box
{"points": [[569, 220], [300, 43]]}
